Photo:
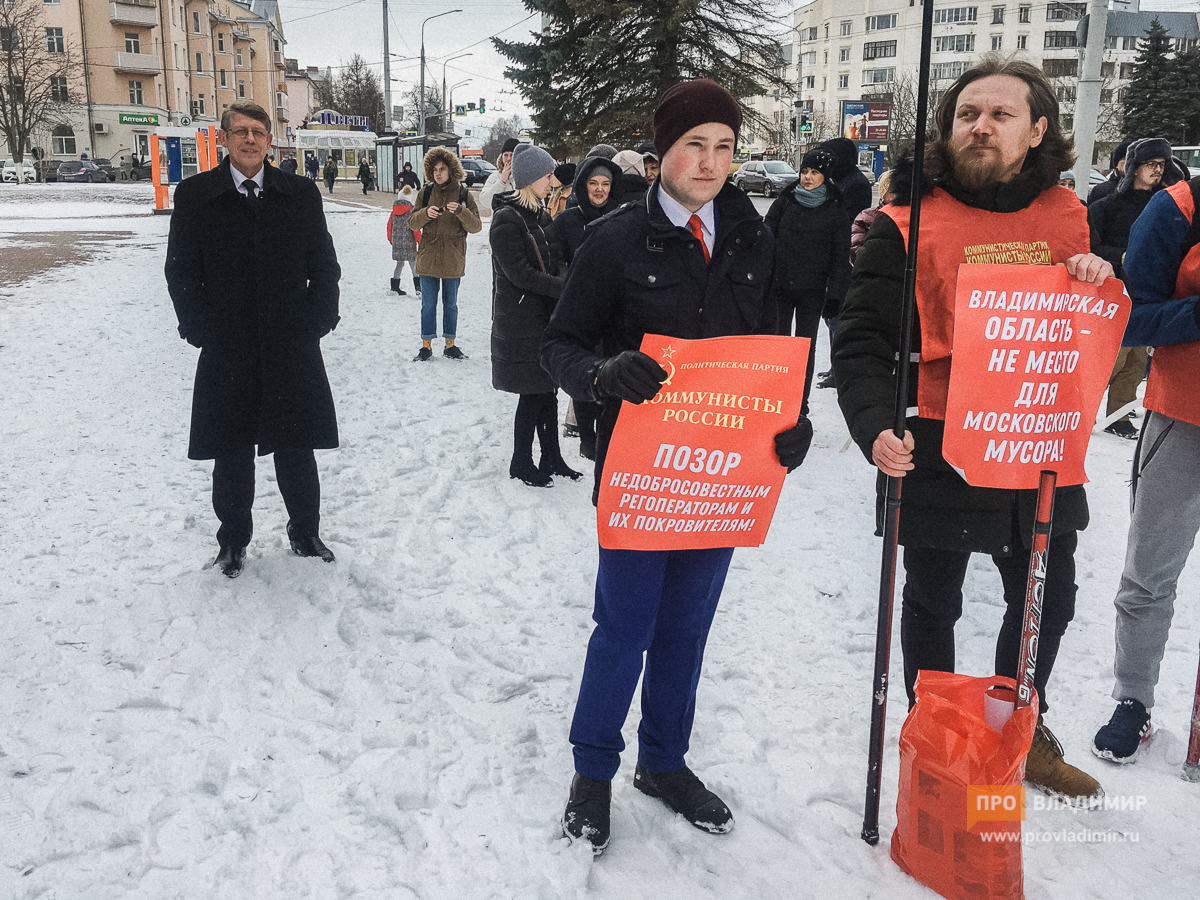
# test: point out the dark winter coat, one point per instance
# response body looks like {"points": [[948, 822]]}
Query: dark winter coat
{"points": [[571, 222], [853, 184], [812, 249], [633, 187], [1104, 188], [526, 284], [1110, 219], [638, 273], [939, 508], [256, 290], [443, 249], [364, 172], [409, 177], [288, 166], [312, 167]]}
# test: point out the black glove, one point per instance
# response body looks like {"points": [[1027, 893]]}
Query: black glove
{"points": [[791, 446], [631, 375]]}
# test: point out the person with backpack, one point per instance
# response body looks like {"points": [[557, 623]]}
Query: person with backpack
{"points": [[403, 239], [330, 172], [445, 213]]}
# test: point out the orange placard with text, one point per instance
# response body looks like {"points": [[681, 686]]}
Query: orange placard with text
{"points": [[696, 466], [1033, 352]]}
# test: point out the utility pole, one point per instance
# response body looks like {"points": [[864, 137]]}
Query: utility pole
{"points": [[387, 74], [421, 104], [1087, 97], [799, 105]]}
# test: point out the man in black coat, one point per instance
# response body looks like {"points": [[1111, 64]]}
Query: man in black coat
{"points": [[253, 275], [409, 177], [691, 260], [999, 150], [1116, 170]]}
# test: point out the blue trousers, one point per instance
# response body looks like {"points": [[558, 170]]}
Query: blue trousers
{"points": [[657, 603], [429, 301]]}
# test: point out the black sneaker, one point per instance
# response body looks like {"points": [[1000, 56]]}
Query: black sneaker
{"points": [[1126, 733], [424, 355], [452, 352], [230, 560], [587, 814], [686, 794], [1122, 428]]}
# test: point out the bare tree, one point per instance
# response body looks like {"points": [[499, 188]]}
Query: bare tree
{"points": [[37, 68], [433, 106], [504, 129]]}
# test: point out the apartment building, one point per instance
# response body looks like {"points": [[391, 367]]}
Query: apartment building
{"points": [[152, 63], [862, 49]]}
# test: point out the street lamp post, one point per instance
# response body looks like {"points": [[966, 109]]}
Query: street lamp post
{"points": [[449, 105], [421, 112], [448, 111]]}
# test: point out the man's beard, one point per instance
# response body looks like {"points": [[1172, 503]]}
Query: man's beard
{"points": [[975, 171]]}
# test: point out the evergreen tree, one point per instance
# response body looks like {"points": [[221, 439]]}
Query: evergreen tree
{"points": [[598, 69], [1184, 99], [1149, 102]]}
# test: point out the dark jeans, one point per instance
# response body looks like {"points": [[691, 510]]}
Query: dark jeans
{"points": [[536, 414], [233, 493], [933, 600], [805, 307]]}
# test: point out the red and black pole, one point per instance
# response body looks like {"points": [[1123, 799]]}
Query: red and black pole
{"points": [[1191, 768], [1035, 588], [891, 521]]}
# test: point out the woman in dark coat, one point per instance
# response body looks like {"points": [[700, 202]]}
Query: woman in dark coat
{"points": [[527, 279], [812, 252], [364, 174]]}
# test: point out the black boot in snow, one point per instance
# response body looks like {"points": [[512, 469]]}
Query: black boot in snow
{"points": [[587, 814], [686, 794], [529, 473], [396, 286]]}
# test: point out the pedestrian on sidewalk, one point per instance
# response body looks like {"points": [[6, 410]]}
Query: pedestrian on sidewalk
{"points": [[331, 173], [403, 239], [692, 261], [311, 167], [445, 213], [364, 175], [253, 275], [527, 279]]}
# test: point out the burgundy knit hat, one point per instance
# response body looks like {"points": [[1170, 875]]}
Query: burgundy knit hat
{"points": [[692, 103]]}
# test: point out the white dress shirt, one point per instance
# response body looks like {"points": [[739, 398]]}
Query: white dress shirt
{"points": [[679, 215], [239, 180]]}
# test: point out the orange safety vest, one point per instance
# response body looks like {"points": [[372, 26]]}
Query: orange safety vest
{"points": [[1051, 230], [1173, 386]]}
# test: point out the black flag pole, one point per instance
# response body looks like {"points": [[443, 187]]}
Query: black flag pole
{"points": [[891, 523]]}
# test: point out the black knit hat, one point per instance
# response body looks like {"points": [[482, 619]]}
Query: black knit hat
{"points": [[1118, 154], [691, 103], [510, 145], [820, 159]]}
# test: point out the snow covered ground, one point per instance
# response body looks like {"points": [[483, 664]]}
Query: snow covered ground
{"points": [[395, 725]]}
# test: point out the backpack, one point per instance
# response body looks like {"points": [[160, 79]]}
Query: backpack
{"points": [[462, 196]]}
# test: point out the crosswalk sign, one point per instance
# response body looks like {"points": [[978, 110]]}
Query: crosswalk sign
{"points": [[460, 109]]}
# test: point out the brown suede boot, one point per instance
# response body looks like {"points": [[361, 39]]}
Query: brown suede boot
{"points": [[1046, 770]]}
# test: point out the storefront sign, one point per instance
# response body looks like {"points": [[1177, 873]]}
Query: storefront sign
{"points": [[134, 119], [332, 118]]}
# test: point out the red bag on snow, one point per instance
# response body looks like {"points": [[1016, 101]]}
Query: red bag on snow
{"points": [[948, 753]]}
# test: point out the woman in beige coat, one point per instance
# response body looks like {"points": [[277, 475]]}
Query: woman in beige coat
{"points": [[445, 213]]}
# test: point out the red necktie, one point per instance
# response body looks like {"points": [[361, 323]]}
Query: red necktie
{"points": [[698, 234]]}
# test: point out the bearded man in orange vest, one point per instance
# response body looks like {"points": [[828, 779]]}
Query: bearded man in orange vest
{"points": [[993, 173]]}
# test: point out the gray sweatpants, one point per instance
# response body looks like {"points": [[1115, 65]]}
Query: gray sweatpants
{"points": [[1165, 517]]}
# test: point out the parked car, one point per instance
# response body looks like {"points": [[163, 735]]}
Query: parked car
{"points": [[105, 166], [139, 172], [477, 170], [49, 169], [29, 174], [81, 170], [770, 177], [868, 172]]}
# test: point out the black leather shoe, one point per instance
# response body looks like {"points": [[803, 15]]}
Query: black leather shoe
{"points": [[310, 545], [231, 560], [587, 814], [686, 794], [558, 467]]}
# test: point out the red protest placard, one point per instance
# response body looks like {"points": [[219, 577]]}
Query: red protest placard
{"points": [[1033, 352], [696, 466]]}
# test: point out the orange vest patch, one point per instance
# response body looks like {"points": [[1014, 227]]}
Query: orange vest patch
{"points": [[1049, 231]]}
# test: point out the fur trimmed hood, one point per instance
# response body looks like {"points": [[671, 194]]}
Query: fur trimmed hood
{"points": [[441, 154]]}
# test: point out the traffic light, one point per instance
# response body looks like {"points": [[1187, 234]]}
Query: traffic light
{"points": [[805, 125], [482, 105]]}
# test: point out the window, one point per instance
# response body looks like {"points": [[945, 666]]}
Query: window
{"points": [[133, 42], [1108, 70], [1106, 95], [1110, 42], [199, 62], [879, 49], [809, 58], [241, 89], [1065, 12], [58, 89], [810, 82], [278, 48], [54, 40], [1060, 40], [955, 14], [239, 56], [946, 71], [223, 81], [1067, 122], [1060, 68], [881, 23], [62, 141], [997, 15], [196, 22], [844, 55], [954, 43], [1065, 93], [879, 76], [221, 42], [997, 41], [1022, 42], [8, 40], [808, 34], [1128, 70], [824, 83], [846, 26], [826, 57], [50, 2], [826, 31], [198, 105], [136, 97], [1129, 43], [843, 81], [1023, 14]]}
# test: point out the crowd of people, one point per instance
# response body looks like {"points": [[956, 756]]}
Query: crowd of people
{"points": [[587, 257]]}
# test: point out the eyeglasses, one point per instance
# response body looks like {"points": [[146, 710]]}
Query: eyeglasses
{"points": [[242, 133], [1156, 164]]}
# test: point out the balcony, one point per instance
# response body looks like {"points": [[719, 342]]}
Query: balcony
{"points": [[140, 63], [127, 13], [281, 107], [277, 57]]}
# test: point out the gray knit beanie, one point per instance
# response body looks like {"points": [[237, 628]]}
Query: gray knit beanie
{"points": [[529, 163]]}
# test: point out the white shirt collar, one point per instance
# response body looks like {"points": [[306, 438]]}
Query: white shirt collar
{"points": [[678, 214], [239, 180]]}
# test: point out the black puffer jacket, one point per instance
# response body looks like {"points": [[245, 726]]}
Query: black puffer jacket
{"points": [[638, 273], [576, 217], [812, 247], [526, 285], [939, 508], [1110, 219]]}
